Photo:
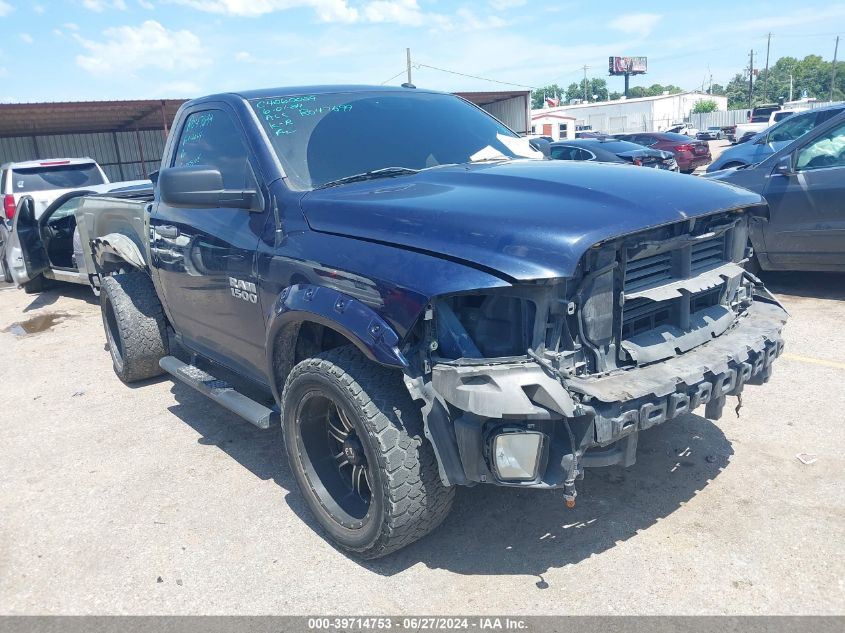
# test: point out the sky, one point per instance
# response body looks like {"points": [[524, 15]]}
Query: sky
{"points": [[70, 50]]}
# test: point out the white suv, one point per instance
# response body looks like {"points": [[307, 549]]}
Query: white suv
{"points": [[44, 180]]}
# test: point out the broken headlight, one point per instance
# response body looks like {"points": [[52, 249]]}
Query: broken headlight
{"points": [[484, 325]]}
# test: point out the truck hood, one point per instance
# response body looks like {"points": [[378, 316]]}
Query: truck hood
{"points": [[523, 219]]}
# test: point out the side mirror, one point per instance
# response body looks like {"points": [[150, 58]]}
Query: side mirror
{"points": [[201, 186], [783, 167], [541, 145]]}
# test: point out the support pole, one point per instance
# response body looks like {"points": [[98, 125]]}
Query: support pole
{"points": [[117, 154], [141, 153], [164, 120], [408, 59], [833, 69], [750, 78], [766, 78]]}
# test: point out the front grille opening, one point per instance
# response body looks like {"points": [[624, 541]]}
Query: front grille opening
{"points": [[706, 299], [708, 254], [648, 271], [642, 315]]}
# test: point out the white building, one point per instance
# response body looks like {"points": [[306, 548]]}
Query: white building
{"points": [[646, 114], [549, 122]]}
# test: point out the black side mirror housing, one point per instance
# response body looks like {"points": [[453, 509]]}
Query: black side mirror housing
{"points": [[201, 186], [541, 145], [783, 167]]}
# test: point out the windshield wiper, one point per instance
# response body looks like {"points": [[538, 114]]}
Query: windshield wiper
{"points": [[384, 172]]}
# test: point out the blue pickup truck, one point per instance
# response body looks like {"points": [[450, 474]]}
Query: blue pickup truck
{"points": [[430, 301]]}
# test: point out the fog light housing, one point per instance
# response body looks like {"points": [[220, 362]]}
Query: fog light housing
{"points": [[516, 454]]}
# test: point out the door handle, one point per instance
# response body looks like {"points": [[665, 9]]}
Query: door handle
{"points": [[167, 230]]}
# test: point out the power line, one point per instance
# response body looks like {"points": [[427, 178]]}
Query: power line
{"points": [[401, 72], [455, 72]]}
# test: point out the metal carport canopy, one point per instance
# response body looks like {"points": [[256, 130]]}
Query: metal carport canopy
{"points": [[76, 117]]}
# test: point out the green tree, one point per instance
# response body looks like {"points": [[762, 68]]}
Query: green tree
{"points": [[552, 92], [707, 105]]}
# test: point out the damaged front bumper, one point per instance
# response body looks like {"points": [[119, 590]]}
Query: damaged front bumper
{"points": [[590, 420]]}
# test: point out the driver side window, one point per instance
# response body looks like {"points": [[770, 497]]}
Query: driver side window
{"points": [[211, 138], [825, 151]]}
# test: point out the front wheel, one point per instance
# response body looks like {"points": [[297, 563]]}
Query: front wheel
{"points": [[356, 446]]}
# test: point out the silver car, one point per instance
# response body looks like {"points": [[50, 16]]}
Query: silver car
{"points": [[48, 246], [44, 180]]}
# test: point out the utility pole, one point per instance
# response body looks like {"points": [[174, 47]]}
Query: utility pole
{"points": [[585, 82], [790, 86], [750, 77], [766, 79], [408, 56], [833, 70]]}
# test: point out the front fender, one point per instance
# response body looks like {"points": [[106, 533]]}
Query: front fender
{"points": [[300, 303]]}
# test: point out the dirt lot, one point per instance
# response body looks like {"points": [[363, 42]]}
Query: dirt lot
{"points": [[153, 500]]}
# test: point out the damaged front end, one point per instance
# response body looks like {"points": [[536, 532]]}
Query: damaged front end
{"points": [[528, 385]]}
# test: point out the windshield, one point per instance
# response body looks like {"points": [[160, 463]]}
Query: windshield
{"points": [[620, 146], [798, 125], [323, 138], [55, 177]]}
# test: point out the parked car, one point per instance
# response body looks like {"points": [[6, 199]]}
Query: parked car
{"points": [[684, 129], [766, 143], [450, 310], [744, 131], [804, 184], [689, 153], [609, 150], [53, 243], [712, 133], [44, 180]]}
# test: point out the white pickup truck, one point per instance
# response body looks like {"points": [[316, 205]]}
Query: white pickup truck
{"points": [[745, 131]]}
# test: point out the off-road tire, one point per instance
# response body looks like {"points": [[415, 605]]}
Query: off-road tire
{"points": [[34, 286], [408, 499], [136, 330]]}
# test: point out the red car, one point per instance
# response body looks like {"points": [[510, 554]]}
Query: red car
{"points": [[689, 153]]}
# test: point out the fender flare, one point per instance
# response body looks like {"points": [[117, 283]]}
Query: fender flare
{"points": [[113, 247], [328, 307]]}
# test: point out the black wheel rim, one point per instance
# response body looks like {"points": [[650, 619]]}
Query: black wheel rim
{"points": [[113, 334], [333, 459]]}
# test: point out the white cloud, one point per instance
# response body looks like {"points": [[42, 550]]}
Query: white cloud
{"points": [[136, 47], [789, 20], [39, 9], [144, 4], [326, 10], [470, 20], [26, 38], [71, 26], [504, 5], [5, 8], [405, 12], [102, 5], [58, 33], [636, 23]]}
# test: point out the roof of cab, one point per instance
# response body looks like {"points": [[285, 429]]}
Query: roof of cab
{"points": [[266, 93]]}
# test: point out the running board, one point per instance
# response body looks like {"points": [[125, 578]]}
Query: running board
{"points": [[220, 391]]}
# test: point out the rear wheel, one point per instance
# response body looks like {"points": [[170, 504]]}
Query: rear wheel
{"points": [[355, 443], [136, 330]]}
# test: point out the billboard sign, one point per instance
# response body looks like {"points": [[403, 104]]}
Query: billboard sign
{"points": [[627, 65]]}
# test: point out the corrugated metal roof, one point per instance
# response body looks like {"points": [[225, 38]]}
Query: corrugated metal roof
{"points": [[486, 98], [73, 117]]}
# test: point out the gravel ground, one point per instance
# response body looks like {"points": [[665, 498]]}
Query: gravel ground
{"points": [[151, 499]]}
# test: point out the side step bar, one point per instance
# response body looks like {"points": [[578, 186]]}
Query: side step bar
{"points": [[221, 392]]}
